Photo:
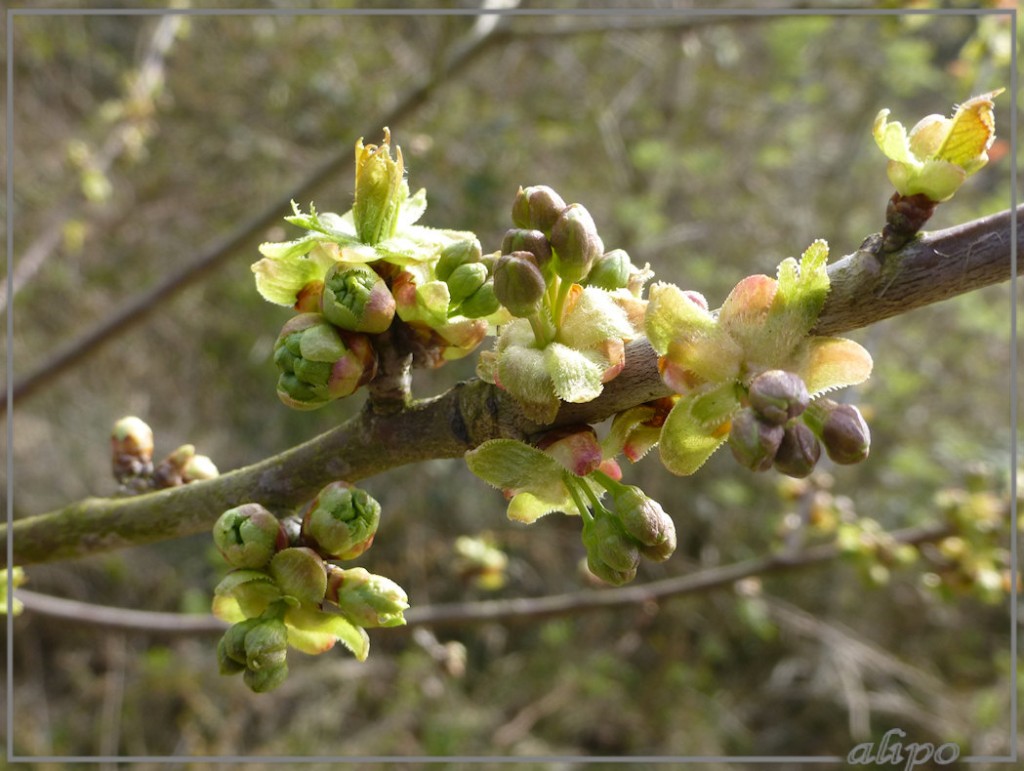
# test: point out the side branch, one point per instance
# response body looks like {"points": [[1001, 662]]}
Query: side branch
{"points": [[865, 290]]}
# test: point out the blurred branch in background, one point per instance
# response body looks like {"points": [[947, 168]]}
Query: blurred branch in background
{"points": [[505, 611], [134, 125], [478, 39]]}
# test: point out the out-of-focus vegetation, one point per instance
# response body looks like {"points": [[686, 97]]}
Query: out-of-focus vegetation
{"points": [[711, 148]]}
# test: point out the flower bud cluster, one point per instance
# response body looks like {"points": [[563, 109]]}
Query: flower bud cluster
{"points": [[779, 426], [283, 591], [131, 445], [574, 305], [617, 536]]}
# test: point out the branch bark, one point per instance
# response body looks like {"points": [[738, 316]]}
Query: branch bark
{"points": [[865, 289]]}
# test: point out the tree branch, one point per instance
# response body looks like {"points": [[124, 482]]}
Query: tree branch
{"points": [[509, 610], [865, 290]]}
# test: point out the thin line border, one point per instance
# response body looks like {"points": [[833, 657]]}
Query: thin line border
{"points": [[12, 13]]}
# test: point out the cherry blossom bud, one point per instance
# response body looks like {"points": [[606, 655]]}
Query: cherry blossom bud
{"points": [[199, 468], [483, 302], [611, 271], [536, 208], [575, 243], [368, 600], [798, 452], [247, 536], [231, 649], [845, 434], [753, 441], [266, 644], [644, 519], [455, 255], [131, 447], [518, 283], [612, 555], [356, 298], [778, 396], [341, 521], [532, 241], [300, 573], [465, 280]]}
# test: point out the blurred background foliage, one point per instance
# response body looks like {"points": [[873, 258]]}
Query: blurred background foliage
{"points": [[710, 147]]}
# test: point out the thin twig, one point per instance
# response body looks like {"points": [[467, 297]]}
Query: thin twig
{"points": [[510, 610]]}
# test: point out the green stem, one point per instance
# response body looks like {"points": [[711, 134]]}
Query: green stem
{"points": [[573, 487], [559, 307], [612, 486]]}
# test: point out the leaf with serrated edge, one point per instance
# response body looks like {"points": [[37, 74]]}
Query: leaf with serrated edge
{"points": [[672, 315], [686, 443], [834, 362], [511, 465], [315, 631]]}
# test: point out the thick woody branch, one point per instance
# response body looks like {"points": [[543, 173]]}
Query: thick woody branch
{"points": [[865, 290]]}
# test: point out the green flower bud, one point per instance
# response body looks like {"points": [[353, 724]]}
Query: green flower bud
{"points": [[231, 655], [455, 255], [536, 208], [319, 362], [778, 396], [465, 280], [356, 298], [264, 680], [612, 555], [753, 441], [247, 536], [532, 241], [483, 302], [368, 600], [518, 283], [611, 271], [575, 243], [844, 432], [798, 452], [644, 519], [198, 468], [341, 521], [266, 644], [300, 573]]}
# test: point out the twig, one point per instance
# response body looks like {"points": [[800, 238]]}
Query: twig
{"points": [[511, 610], [449, 425]]}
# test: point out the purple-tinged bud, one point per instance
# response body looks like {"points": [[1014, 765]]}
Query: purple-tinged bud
{"points": [[532, 241], [170, 472], [455, 255], [356, 298], [778, 396], [366, 599], [341, 521], [131, 449], [612, 555], [575, 447], [753, 441], [611, 271], [644, 519], [798, 452], [248, 536], [300, 573], [536, 208], [465, 280], [843, 431], [518, 283], [575, 243], [483, 302]]}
